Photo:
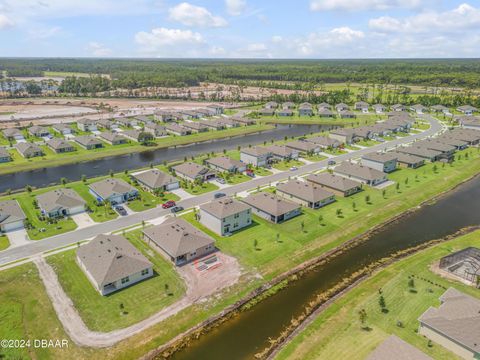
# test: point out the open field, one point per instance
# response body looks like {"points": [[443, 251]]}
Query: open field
{"points": [[104, 313], [336, 333]]}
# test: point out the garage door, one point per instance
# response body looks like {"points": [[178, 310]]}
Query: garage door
{"points": [[12, 226]]}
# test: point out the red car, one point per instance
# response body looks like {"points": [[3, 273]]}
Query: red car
{"points": [[168, 204]]}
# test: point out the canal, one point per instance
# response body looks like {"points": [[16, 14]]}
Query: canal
{"points": [[248, 333], [52, 175]]}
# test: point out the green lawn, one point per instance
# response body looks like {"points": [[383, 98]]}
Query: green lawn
{"points": [[334, 151], [261, 171], [4, 243], [194, 189], [237, 178], [421, 125], [336, 333], [352, 147], [146, 200], [368, 142], [313, 157], [287, 164], [98, 213], [103, 313]]}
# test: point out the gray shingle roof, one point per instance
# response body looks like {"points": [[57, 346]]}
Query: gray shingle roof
{"points": [[458, 317], [333, 181], [380, 157], [155, 178], [407, 158], [10, 211], [59, 198], [109, 258], [178, 237], [27, 148], [304, 190], [87, 140], [112, 136], [3, 152], [224, 207], [11, 132], [109, 187], [192, 170], [359, 171], [270, 203], [256, 151], [302, 145], [394, 348], [281, 150], [58, 144], [224, 162]]}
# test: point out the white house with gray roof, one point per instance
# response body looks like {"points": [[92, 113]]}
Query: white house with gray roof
{"points": [[361, 173], [29, 150], [226, 215], [155, 180], [13, 134], [60, 202], [39, 131], [455, 324], [112, 263], [60, 146], [86, 124], [305, 193], [272, 207], [4, 155], [88, 142], [179, 241], [384, 162], [113, 138], [12, 216], [61, 128], [282, 152], [225, 163], [112, 190], [256, 155], [191, 171]]}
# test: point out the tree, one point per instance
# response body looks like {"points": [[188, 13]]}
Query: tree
{"points": [[406, 181], [28, 188], [397, 186], [435, 168], [382, 303], [384, 192], [367, 199], [354, 206], [320, 219], [362, 315], [63, 181], [278, 237], [84, 178], [411, 283], [339, 212], [255, 244], [111, 173]]}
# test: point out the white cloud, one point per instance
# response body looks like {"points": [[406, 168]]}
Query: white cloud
{"points": [[163, 42], [464, 17], [42, 32], [5, 22], [98, 50], [191, 15], [235, 7], [356, 5]]}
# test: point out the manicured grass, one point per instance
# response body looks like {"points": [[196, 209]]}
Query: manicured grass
{"points": [[352, 147], [4, 243], [334, 151], [421, 125], [368, 142], [103, 313], [146, 200], [362, 119], [261, 171], [200, 189], [237, 178], [336, 333], [287, 164], [314, 157], [98, 213]]}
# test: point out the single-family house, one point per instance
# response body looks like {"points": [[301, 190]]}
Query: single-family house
{"points": [[305, 109], [440, 108], [447, 139], [113, 138], [446, 150], [12, 216], [62, 128], [28, 150], [408, 161], [39, 131], [226, 215], [155, 129], [304, 147], [344, 136], [111, 263], [155, 180], [384, 162], [13, 134], [213, 124], [216, 109], [266, 112], [126, 122], [285, 112], [243, 120], [326, 113], [88, 142], [470, 122], [455, 324], [341, 107], [362, 133], [324, 142], [107, 124], [399, 107], [60, 146], [86, 124], [362, 106], [282, 152], [361, 173], [379, 108], [288, 105], [60, 203], [164, 116], [472, 137], [177, 129], [179, 241], [272, 207], [195, 126], [336, 184], [424, 153], [418, 109], [256, 155], [467, 109], [190, 114], [324, 106], [113, 191], [132, 134], [143, 119], [305, 193], [347, 114], [271, 105], [226, 164], [4, 155], [394, 348], [229, 122], [191, 171]]}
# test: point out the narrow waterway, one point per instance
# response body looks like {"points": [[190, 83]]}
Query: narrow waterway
{"points": [[52, 175], [248, 333]]}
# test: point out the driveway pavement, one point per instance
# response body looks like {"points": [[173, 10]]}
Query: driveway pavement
{"points": [[18, 237], [34, 248], [82, 220]]}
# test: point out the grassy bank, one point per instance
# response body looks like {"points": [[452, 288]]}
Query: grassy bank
{"points": [[336, 333], [362, 119]]}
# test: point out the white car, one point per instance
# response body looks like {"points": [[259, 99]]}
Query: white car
{"points": [[293, 168]]}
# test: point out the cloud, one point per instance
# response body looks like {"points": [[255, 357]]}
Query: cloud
{"points": [[5, 22], [464, 17], [41, 32], [191, 15], [357, 5], [163, 42], [98, 50], [235, 7]]}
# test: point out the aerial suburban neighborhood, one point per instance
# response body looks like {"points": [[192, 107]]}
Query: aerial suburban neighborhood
{"points": [[240, 180]]}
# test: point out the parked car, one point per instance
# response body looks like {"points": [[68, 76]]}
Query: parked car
{"points": [[219, 195], [121, 210], [250, 173], [331, 162], [221, 180], [176, 209], [293, 168], [168, 204]]}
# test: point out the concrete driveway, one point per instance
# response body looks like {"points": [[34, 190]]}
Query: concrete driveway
{"points": [[18, 237], [82, 220]]}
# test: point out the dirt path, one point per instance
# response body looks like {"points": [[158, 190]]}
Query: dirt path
{"points": [[82, 336]]}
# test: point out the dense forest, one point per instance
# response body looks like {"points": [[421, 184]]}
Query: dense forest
{"points": [[135, 73]]}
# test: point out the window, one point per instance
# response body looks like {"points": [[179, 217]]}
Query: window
{"points": [[236, 216], [145, 272], [125, 280]]}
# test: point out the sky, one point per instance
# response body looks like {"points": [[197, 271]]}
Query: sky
{"points": [[314, 29]]}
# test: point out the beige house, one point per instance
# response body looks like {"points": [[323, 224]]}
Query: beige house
{"points": [[60, 202], [111, 263], [12, 216], [305, 193], [179, 241], [87, 124], [272, 207], [304, 147], [225, 215], [385, 162], [455, 324]]}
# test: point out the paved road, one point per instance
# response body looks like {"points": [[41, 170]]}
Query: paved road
{"points": [[70, 238]]}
